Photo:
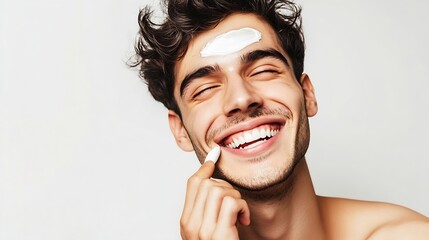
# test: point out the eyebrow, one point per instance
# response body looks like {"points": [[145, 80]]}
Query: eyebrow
{"points": [[247, 58], [260, 54]]}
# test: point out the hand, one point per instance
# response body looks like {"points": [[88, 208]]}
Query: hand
{"points": [[213, 208]]}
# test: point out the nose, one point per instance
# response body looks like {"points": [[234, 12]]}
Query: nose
{"points": [[241, 96]]}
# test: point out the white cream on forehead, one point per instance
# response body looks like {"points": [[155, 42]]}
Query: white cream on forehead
{"points": [[230, 42]]}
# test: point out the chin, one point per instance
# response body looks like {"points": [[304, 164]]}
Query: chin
{"points": [[269, 184], [258, 177]]}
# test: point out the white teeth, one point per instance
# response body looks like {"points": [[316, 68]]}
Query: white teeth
{"points": [[241, 140], [234, 143], [251, 136], [255, 134], [254, 144], [263, 133], [248, 137]]}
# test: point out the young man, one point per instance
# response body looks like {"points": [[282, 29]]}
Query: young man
{"points": [[231, 74]]}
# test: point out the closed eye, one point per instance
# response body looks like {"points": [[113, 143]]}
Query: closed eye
{"points": [[204, 90], [265, 71]]}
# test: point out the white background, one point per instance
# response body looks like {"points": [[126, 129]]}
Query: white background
{"points": [[85, 153]]}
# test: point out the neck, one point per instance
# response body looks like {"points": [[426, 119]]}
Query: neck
{"points": [[294, 216]]}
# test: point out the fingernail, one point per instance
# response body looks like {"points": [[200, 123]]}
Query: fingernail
{"points": [[213, 155]]}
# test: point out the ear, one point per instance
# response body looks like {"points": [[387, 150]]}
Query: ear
{"points": [[309, 95], [179, 132]]}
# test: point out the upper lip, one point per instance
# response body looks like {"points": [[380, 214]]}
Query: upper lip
{"points": [[248, 125]]}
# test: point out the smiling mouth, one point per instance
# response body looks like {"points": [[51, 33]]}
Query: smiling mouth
{"points": [[251, 138]]}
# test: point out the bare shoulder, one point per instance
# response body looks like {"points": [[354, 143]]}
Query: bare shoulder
{"points": [[406, 229], [354, 219]]}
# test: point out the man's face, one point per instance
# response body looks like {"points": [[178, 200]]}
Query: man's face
{"points": [[248, 102]]}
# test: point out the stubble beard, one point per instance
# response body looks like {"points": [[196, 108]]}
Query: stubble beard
{"points": [[272, 184]]}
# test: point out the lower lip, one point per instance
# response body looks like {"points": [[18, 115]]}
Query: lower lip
{"points": [[254, 151]]}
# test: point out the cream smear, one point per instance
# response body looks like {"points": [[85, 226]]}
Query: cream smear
{"points": [[230, 42], [213, 155]]}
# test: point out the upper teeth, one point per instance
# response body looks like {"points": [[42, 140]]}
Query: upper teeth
{"points": [[253, 135]]}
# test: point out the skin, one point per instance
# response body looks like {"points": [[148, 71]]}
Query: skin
{"points": [[271, 196]]}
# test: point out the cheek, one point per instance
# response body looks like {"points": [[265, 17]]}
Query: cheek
{"points": [[289, 94], [199, 120]]}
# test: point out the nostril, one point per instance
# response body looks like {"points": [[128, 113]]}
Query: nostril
{"points": [[241, 102], [234, 111], [254, 105]]}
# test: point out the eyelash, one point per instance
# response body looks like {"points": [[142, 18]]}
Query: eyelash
{"points": [[265, 71], [214, 86], [203, 90]]}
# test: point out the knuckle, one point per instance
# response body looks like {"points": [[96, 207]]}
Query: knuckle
{"points": [[238, 194], [183, 223], [187, 230], [203, 234], [217, 192], [230, 202], [193, 181], [205, 183], [183, 234]]}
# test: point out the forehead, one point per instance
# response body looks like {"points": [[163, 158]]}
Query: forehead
{"points": [[193, 59]]}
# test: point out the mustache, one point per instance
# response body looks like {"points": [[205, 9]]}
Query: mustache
{"points": [[241, 117]]}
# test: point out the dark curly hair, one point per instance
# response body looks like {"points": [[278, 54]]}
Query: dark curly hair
{"points": [[160, 45]]}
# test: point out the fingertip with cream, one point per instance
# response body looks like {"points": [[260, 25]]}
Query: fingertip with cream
{"points": [[213, 155]]}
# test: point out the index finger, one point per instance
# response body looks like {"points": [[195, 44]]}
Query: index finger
{"points": [[206, 170]]}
